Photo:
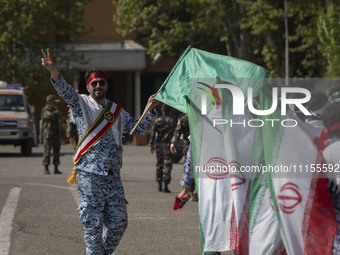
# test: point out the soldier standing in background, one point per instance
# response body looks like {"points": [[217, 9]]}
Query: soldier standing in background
{"points": [[50, 118], [160, 138], [182, 128]]}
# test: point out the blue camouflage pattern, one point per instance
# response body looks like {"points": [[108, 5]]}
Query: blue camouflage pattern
{"points": [[107, 153], [188, 177], [100, 190], [102, 203]]}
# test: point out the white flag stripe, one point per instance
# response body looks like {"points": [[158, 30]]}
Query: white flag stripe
{"points": [[223, 195], [215, 195], [297, 148]]}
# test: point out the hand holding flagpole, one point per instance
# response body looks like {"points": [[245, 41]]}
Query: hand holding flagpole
{"points": [[152, 102]]}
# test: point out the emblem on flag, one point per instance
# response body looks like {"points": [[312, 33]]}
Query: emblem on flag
{"points": [[289, 197], [216, 168]]}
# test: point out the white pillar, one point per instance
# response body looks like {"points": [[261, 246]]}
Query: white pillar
{"points": [[137, 95]]}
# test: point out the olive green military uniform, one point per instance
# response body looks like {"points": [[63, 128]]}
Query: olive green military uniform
{"points": [[51, 135], [182, 128], [160, 138]]}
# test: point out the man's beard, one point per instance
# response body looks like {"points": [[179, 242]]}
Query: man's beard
{"points": [[98, 96]]}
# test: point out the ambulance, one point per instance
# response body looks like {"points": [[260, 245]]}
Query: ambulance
{"points": [[16, 118]]}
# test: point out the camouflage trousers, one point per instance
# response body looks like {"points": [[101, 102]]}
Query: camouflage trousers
{"points": [[164, 163], [102, 203], [54, 145]]}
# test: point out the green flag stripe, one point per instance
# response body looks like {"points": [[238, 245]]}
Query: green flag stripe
{"points": [[95, 124]]}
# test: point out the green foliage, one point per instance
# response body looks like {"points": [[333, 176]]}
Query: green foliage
{"points": [[265, 20], [168, 27], [26, 26], [247, 29], [329, 34], [306, 59]]}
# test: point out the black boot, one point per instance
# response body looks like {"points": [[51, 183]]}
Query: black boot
{"points": [[46, 171], [159, 186], [166, 190], [56, 170]]}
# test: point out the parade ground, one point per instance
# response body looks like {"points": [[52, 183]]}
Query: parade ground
{"points": [[39, 216]]}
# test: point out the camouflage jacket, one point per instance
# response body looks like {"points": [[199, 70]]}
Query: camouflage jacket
{"points": [[181, 128], [162, 130], [50, 122]]}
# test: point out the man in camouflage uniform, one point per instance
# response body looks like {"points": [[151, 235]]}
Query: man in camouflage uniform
{"points": [[160, 138], [182, 128], [72, 134], [102, 203], [51, 134]]}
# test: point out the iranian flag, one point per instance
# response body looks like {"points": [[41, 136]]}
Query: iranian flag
{"points": [[255, 213], [223, 195], [264, 231], [291, 202], [218, 154]]}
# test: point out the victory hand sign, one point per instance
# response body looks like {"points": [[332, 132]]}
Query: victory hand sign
{"points": [[47, 62]]}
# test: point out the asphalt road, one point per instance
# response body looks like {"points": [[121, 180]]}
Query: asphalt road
{"points": [[45, 219]]}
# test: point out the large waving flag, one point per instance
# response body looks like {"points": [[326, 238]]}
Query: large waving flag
{"points": [[195, 63], [223, 196], [261, 214]]}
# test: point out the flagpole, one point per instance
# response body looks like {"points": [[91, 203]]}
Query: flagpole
{"points": [[141, 118]]}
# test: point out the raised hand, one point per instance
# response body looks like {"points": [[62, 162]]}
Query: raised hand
{"points": [[48, 63], [152, 102]]}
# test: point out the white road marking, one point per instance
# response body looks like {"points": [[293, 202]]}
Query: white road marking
{"points": [[72, 189], [42, 184], [6, 220]]}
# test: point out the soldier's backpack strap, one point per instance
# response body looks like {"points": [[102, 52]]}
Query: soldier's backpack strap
{"points": [[98, 129]]}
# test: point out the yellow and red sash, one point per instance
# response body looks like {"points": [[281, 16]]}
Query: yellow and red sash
{"points": [[97, 130]]}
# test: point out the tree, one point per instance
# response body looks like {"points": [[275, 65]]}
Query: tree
{"points": [[168, 27], [306, 58], [29, 25], [329, 34], [265, 18], [246, 29]]}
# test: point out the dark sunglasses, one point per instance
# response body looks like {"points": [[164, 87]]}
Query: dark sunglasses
{"points": [[101, 83]]}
